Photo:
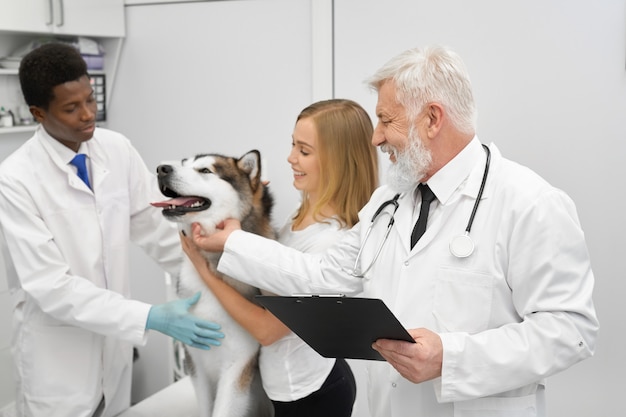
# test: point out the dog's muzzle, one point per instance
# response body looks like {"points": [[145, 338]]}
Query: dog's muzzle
{"points": [[177, 205]]}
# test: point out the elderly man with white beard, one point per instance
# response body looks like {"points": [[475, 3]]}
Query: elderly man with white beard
{"points": [[494, 281]]}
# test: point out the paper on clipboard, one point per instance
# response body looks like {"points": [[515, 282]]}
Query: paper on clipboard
{"points": [[336, 326]]}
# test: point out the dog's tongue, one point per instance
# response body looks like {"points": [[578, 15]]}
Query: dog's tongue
{"points": [[179, 201]]}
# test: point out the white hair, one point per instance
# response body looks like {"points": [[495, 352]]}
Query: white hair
{"points": [[432, 74]]}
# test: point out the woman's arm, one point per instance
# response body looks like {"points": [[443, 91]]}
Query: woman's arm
{"points": [[259, 322]]}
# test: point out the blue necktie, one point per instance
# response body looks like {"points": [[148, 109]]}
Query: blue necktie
{"points": [[79, 163]]}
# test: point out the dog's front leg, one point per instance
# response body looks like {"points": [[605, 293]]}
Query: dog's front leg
{"points": [[240, 393], [205, 394]]}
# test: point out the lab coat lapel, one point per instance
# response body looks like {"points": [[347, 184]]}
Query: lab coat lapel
{"points": [[405, 223], [404, 219], [98, 166], [64, 169], [98, 172], [432, 229], [447, 207]]}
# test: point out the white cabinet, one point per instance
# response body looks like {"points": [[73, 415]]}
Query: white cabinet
{"points": [[64, 17], [89, 17], [26, 15], [22, 21]]}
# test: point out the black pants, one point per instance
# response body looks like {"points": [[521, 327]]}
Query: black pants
{"points": [[335, 397]]}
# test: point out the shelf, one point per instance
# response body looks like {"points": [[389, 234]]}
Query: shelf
{"points": [[14, 71], [18, 129]]}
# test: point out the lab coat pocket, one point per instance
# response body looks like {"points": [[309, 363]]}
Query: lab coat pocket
{"points": [[462, 300], [63, 359], [497, 407]]}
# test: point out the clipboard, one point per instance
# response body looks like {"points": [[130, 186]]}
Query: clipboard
{"points": [[336, 326]]}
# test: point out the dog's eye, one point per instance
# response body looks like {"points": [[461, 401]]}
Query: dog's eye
{"points": [[204, 170]]}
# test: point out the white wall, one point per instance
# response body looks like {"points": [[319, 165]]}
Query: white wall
{"points": [[222, 76], [550, 84], [226, 76], [549, 79]]}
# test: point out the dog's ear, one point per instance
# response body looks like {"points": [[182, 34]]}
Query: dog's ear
{"points": [[250, 163]]}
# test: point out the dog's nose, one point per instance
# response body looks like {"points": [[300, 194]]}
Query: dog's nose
{"points": [[163, 170]]}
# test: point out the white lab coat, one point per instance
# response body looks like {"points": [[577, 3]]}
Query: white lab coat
{"points": [[516, 311], [67, 251]]}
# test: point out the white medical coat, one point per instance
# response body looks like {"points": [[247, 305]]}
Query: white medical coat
{"points": [[67, 253], [516, 311]]}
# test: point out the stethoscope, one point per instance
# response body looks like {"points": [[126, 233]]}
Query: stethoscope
{"points": [[461, 246]]}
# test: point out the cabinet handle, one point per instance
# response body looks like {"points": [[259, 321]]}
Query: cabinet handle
{"points": [[49, 20], [61, 14]]}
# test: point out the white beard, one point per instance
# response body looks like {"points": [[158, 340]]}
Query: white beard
{"points": [[411, 164]]}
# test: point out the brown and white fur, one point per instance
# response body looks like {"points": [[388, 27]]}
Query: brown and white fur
{"points": [[207, 189]]}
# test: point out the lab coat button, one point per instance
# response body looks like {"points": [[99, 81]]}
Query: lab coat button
{"points": [[393, 384], [580, 344], [406, 263]]}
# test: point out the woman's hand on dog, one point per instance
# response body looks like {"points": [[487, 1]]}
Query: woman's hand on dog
{"points": [[216, 241], [193, 253]]}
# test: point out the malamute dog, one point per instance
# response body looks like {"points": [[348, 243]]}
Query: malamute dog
{"points": [[207, 189]]}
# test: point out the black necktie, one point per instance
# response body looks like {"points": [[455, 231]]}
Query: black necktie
{"points": [[79, 163], [420, 225]]}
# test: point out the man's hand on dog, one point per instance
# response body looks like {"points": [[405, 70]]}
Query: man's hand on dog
{"points": [[216, 241], [173, 319]]}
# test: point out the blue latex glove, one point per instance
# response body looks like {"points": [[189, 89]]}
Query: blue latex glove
{"points": [[173, 319]]}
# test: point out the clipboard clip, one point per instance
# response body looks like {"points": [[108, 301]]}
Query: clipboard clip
{"points": [[318, 295]]}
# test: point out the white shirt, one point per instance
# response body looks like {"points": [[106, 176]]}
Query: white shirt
{"points": [[290, 369], [66, 249], [516, 311]]}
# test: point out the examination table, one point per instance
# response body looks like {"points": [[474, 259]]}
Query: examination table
{"points": [[178, 399]]}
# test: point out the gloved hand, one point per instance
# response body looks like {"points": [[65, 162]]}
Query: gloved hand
{"points": [[173, 319]]}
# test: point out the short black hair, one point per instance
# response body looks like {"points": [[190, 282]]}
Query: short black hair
{"points": [[47, 66]]}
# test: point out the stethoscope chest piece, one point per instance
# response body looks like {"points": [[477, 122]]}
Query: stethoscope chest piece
{"points": [[462, 246]]}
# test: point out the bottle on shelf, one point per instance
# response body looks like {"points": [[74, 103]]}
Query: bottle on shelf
{"points": [[6, 118]]}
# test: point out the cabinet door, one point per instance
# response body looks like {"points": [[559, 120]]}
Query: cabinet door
{"points": [[26, 15], [89, 17], [64, 17]]}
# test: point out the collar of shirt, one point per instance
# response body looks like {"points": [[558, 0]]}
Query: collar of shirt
{"points": [[64, 153], [450, 178], [453, 176]]}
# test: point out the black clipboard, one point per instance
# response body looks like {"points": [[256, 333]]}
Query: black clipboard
{"points": [[336, 326]]}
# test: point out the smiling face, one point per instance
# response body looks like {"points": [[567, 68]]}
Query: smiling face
{"points": [[197, 191], [71, 114], [304, 157], [402, 139], [392, 130], [209, 188]]}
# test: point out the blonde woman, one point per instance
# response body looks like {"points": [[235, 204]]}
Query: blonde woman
{"points": [[335, 167]]}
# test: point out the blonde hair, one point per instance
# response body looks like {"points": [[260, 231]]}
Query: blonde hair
{"points": [[348, 160]]}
